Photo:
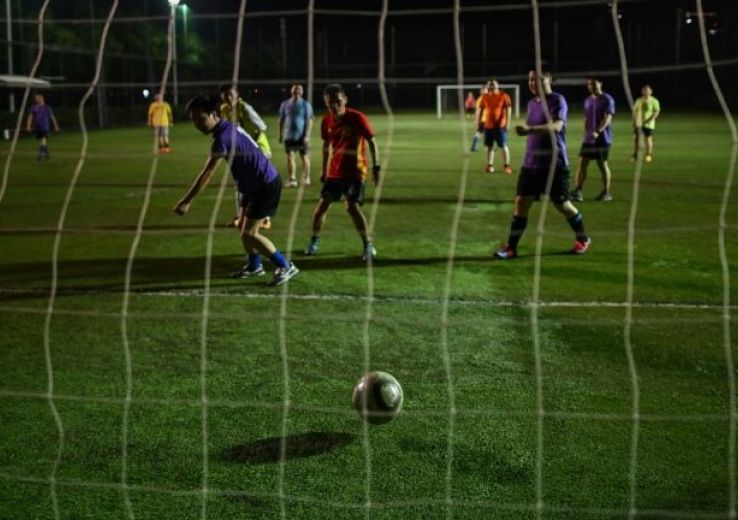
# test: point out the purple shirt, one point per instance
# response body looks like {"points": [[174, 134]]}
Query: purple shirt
{"points": [[250, 169], [41, 117], [538, 147], [595, 109]]}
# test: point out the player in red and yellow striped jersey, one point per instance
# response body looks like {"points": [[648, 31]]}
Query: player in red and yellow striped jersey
{"points": [[347, 135]]}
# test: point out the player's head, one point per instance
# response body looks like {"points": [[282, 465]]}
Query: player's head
{"points": [[229, 94], [646, 90], [594, 85], [335, 99], [203, 112], [296, 90], [158, 97], [546, 81], [493, 85], [38, 98]]}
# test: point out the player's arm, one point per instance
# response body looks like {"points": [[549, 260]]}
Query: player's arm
{"points": [[183, 205], [255, 118], [326, 157], [652, 118], [509, 116], [555, 127], [374, 152], [169, 114], [308, 128], [281, 124], [478, 116], [29, 122], [606, 120], [56, 125]]}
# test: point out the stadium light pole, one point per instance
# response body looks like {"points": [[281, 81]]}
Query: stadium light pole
{"points": [[173, 5]]}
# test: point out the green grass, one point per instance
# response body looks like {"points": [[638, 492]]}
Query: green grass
{"points": [[677, 336]]}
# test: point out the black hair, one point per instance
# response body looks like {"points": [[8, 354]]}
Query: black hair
{"points": [[333, 89], [227, 88], [202, 103]]}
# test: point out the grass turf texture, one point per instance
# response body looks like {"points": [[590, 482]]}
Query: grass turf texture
{"points": [[679, 350]]}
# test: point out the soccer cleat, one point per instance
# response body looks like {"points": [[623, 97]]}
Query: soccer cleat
{"points": [[369, 252], [311, 249], [490, 169], [292, 183], [506, 253], [576, 195], [581, 246], [246, 272], [605, 196], [233, 222], [282, 275], [648, 157], [507, 169]]}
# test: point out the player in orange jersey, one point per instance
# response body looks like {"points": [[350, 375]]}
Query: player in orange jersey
{"points": [[497, 107]]}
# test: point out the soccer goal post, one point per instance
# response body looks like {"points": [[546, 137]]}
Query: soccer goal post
{"points": [[446, 96]]}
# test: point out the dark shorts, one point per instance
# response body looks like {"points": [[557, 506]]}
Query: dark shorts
{"points": [[41, 134], [646, 131], [495, 135], [599, 151], [532, 183], [471, 110], [296, 145], [350, 189], [263, 203]]}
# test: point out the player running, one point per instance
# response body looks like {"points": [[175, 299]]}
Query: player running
{"points": [[258, 183]]}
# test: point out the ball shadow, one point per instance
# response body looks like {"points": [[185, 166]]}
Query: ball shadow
{"points": [[298, 446]]}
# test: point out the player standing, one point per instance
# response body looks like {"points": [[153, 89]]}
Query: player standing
{"points": [[480, 125], [470, 104], [539, 154], [497, 107], [645, 111], [295, 125], [599, 108], [258, 183], [237, 111], [160, 117], [40, 118], [346, 135]]}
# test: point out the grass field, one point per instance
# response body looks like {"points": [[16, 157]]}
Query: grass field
{"points": [[185, 339]]}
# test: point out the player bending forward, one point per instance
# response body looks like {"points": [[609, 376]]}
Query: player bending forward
{"points": [[257, 181], [346, 135], [536, 165]]}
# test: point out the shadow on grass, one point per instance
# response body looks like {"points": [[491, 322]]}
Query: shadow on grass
{"points": [[298, 446]]}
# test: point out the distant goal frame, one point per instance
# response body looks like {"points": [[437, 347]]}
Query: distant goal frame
{"points": [[475, 88]]}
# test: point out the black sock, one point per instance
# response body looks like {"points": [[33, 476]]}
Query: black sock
{"points": [[577, 224], [517, 227]]}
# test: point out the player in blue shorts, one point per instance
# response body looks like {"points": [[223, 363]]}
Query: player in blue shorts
{"points": [[258, 183], [40, 119]]}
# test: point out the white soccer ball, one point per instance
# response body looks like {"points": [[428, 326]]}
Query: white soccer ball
{"points": [[378, 397]]}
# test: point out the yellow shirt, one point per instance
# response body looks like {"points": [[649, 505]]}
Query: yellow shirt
{"points": [[160, 114]]}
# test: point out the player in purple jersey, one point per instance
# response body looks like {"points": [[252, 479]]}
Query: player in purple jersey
{"points": [[599, 108], [257, 181], [545, 154], [40, 119]]}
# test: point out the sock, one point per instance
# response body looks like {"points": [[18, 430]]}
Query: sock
{"points": [[279, 260], [475, 143], [577, 224], [254, 261], [314, 239], [517, 227]]}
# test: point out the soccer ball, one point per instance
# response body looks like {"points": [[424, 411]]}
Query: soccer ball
{"points": [[378, 397]]}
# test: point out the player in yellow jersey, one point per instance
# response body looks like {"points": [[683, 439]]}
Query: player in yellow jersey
{"points": [[480, 125], [234, 109], [160, 117]]}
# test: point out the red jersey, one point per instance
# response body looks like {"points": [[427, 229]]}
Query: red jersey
{"points": [[347, 137]]}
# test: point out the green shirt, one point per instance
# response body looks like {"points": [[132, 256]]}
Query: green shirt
{"points": [[645, 109]]}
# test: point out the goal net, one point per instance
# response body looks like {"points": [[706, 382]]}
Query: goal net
{"points": [[447, 97], [140, 379]]}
